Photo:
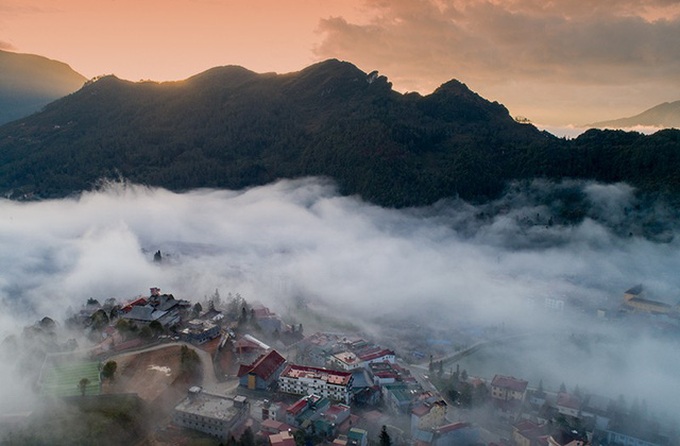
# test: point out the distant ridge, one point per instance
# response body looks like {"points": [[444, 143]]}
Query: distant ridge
{"points": [[28, 82], [229, 127], [666, 115]]}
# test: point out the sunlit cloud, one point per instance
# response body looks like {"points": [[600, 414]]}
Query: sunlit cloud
{"points": [[499, 46]]}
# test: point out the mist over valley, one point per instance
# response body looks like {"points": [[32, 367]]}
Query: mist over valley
{"points": [[452, 273]]}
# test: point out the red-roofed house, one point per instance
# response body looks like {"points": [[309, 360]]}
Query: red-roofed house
{"points": [[506, 388], [528, 433], [376, 355], [128, 306], [271, 426], [262, 373], [568, 404]]}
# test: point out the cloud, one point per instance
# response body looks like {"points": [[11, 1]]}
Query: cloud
{"points": [[6, 46], [499, 45], [453, 268]]}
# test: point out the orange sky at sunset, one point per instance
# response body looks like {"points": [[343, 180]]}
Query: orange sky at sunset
{"points": [[555, 62]]}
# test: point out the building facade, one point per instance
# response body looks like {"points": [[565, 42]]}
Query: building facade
{"points": [[303, 380], [508, 388]]}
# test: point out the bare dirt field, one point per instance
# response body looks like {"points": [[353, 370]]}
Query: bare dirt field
{"points": [[148, 374]]}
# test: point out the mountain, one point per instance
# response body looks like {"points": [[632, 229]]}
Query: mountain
{"points": [[663, 115], [232, 128], [29, 82]]}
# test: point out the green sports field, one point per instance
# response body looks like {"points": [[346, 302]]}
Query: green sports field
{"points": [[62, 378]]}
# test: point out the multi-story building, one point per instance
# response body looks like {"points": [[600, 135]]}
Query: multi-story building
{"points": [[211, 414], [303, 380], [507, 388]]}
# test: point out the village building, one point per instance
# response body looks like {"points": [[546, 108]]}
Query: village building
{"points": [[428, 414], [269, 322], [459, 433], [357, 437], [199, 331], [249, 345], [263, 372], [306, 410], [634, 299], [568, 404], [397, 397], [303, 380], [284, 438], [211, 414], [528, 433], [346, 361], [507, 388], [375, 354]]}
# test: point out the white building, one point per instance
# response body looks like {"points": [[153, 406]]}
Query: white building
{"points": [[376, 355], [302, 380], [211, 414], [346, 361]]}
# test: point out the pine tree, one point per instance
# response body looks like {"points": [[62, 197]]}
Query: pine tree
{"points": [[385, 439]]}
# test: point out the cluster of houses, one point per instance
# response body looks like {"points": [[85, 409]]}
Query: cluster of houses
{"points": [[332, 374], [349, 371], [585, 420]]}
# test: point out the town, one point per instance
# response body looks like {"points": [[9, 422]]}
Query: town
{"points": [[228, 371]]}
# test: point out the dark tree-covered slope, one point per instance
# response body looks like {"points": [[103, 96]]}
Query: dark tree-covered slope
{"points": [[230, 127], [28, 82]]}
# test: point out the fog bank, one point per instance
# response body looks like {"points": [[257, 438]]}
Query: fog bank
{"points": [[488, 265]]}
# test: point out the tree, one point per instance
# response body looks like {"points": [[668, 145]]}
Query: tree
{"points": [[463, 375], [82, 385], [99, 319], [197, 309], [190, 363], [156, 327], [145, 332], [158, 257], [247, 438], [385, 439], [109, 369]]}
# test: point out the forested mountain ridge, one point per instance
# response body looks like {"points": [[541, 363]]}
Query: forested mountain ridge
{"points": [[28, 82], [233, 128]]}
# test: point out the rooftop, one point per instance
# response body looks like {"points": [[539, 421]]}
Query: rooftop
{"points": [[510, 383], [264, 366], [330, 376], [369, 356], [208, 405], [453, 427], [568, 400], [284, 438]]}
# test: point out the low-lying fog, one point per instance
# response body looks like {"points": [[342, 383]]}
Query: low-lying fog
{"points": [[451, 263]]}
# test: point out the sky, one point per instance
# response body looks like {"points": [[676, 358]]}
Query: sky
{"points": [[443, 267], [554, 62]]}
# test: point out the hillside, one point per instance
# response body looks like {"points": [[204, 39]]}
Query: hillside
{"points": [[29, 82], [662, 115], [232, 128]]}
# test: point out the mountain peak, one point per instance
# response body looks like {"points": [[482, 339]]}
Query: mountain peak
{"points": [[666, 114], [28, 82]]}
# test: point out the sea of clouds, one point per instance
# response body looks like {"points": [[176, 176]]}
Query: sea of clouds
{"points": [[491, 264]]}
